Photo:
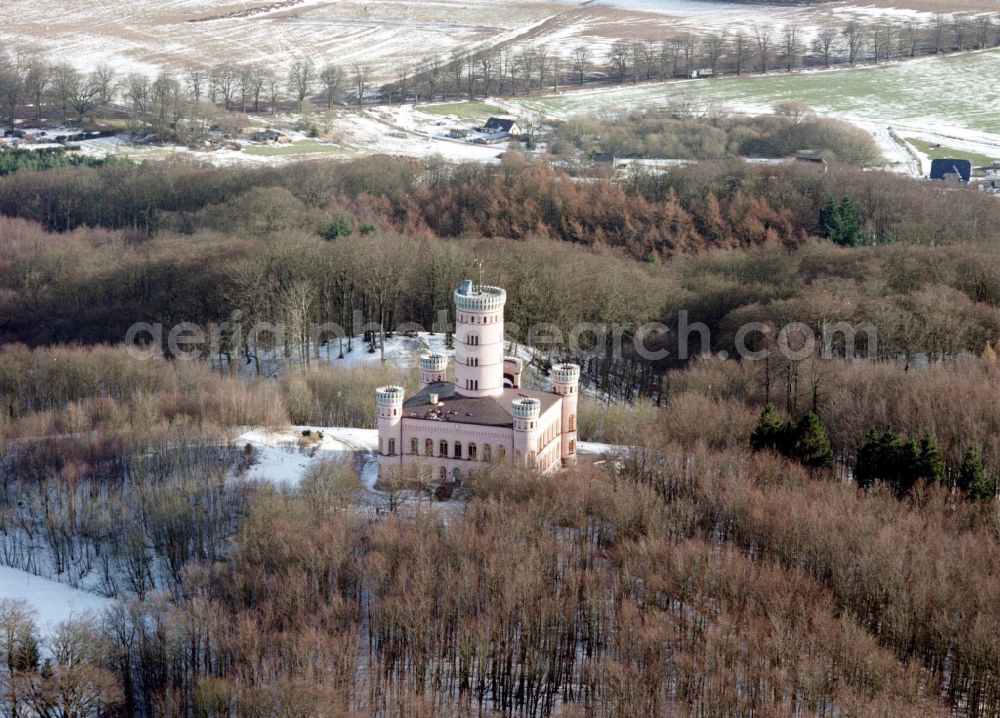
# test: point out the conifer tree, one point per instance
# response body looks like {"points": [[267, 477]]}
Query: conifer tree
{"points": [[768, 432], [972, 479], [905, 466], [931, 463], [841, 223], [812, 444]]}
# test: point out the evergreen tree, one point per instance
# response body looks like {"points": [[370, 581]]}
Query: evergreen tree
{"points": [[972, 479], [905, 463], [828, 218], [768, 432], [812, 444], [931, 463], [841, 223], [875, 458]]}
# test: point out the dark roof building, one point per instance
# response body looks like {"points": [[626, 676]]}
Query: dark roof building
{"points": [[951, 169], [499, 124]]}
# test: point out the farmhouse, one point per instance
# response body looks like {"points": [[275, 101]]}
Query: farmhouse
{"points": [[502, 126], [450, 428]]}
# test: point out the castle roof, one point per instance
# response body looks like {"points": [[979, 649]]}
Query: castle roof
{"points": [[460, 409]]}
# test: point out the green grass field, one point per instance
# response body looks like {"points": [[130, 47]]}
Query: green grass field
{"points": [[959, 91], [935, 152], [297, 148], [465, 110]]}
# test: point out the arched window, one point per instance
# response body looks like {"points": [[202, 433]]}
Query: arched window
{"points": [[501, 452], [572, 422], [572, 446], [472, 451], [517, 456], [487, 453], [413, 445], [444, 474], [458, 450], [443, 448], [392, 447], [428, 447], [531, 459]]}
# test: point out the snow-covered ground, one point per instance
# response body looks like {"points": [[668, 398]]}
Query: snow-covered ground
{"points": [[285, 456], [53, 602]]}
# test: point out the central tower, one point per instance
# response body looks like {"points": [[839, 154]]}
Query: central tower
{"points": [[479, 339]]}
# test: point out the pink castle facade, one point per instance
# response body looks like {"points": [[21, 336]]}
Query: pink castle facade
{"points": [[450, 428]]}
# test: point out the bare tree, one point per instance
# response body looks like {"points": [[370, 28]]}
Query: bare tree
{"points": [[488, 61], [960, 30], [273, 86], [402, 77], [225, 79], [300, 79], [911, 32], [637, 51], [361, 73], [544, 59], [740, 46], [36, 83], [825, 43], [13, 74], [714, 47], [257, 77], [618, 58], [137, 97], [64, 77], [938, 25], [854, 35], [195, 79], [581, 58], [791, 46], [103, 77], [85, 95], [332, 78], [762, 37], [454, 71], [984, 24], [524, 65], [431, 72]]}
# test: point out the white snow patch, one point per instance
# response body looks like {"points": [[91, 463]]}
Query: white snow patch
{"points": [[284, 457], [52, 601]]}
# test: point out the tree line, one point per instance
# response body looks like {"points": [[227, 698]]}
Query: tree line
{"points": [[186, 102]]}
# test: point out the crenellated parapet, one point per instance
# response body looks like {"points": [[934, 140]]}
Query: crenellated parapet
{"points": [[471, 298], [433, 368], [389, 395], [526, 408], [566, 374]]}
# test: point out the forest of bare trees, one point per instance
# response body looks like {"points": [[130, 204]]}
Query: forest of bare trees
{"points": [[695, 571]]}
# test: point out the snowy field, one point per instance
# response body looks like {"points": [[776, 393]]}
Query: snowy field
{"points": [[146, 35], [53, 602], [950, 100], [149, 35]]}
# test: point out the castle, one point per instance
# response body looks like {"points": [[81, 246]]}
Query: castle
{"points": [[448, 428]]}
